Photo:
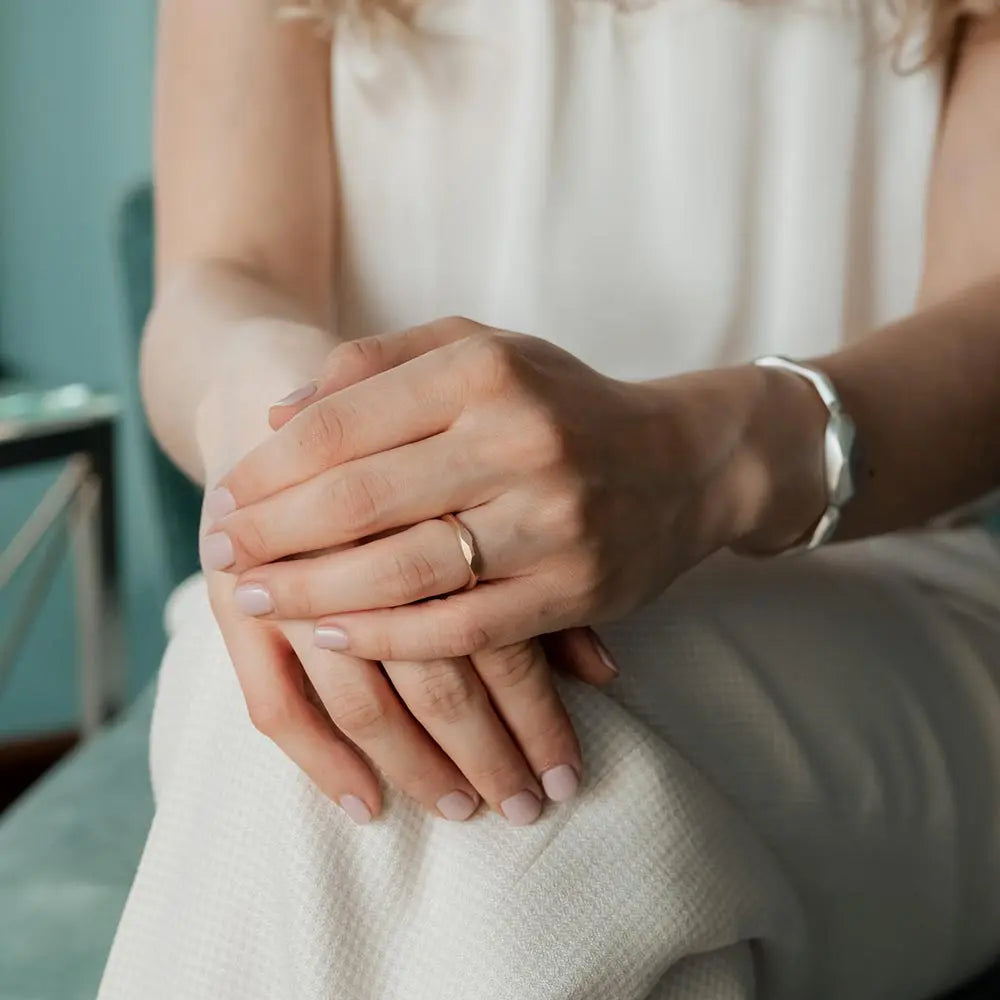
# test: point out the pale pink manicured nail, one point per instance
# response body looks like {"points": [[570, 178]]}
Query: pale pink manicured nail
{"points": [[560, 783], [356, 809], [602, 651], [456, 806], [297, 395], [219, 503], [253, 599], [331, 637], [522, 809], [217, 551]]}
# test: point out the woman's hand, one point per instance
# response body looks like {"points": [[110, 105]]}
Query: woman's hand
{"points": [[449, 733], [496, 731], [585, 495]]}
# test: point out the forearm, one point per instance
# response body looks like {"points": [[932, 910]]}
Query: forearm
{"points": [[925, 395], [219, 347]]}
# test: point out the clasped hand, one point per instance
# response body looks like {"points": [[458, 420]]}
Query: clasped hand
{"points": [[584, 496]]}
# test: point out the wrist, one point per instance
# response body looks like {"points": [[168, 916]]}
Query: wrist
{"points": [[264, 360], [778, 473], [752, 443]]}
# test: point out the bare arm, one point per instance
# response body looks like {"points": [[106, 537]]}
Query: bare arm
{"points": [[244, 199], [925, 392], [243, 267], [244, 271]]}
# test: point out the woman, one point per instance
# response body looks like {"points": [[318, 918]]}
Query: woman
{"points": [[792, 789]]}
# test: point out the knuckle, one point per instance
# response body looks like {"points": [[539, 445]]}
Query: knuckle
{"points": [[461, 324], [294, 593], [555, 732], [360, 713], [545, 439], [462, 635], [446, 693], [363, 497], [363, 353], [493, 358], [407, 576], [501, 773], [417, 778], [271, 716], [572, 601], [342, 352], [253, 539], [568, 515], [511, 665], [387, 643], [325, 431]]}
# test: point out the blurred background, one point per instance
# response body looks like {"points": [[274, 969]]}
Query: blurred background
{"points": [[91, 532], [75, 90]]}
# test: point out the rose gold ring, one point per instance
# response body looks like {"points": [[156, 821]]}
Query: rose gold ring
{"points": [[468, 546]]}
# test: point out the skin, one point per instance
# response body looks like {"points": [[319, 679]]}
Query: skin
{"points": [[609, 502], [242, 315]]}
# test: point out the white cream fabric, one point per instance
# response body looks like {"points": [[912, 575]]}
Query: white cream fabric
{"points": [[694, 182], [794, 790]]}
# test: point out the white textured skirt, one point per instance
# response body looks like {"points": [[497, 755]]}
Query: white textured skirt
{"points": [[792, 792]]}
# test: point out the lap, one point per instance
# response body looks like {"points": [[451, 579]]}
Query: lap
{"points": [[800, 753], [848, 703]]}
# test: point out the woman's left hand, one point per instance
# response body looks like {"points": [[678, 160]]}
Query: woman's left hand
{"points": [[585, 495]]}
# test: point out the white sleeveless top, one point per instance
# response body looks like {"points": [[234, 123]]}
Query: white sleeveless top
{"points": [[656, 185]]}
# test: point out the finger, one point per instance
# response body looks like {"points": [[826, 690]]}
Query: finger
{"points": [[448, 699], [519, 683], [352, 501], [414, 401], [271, 677], [495, 614], [363, 706], [356, 360], [297, 400], [424, 561], [580, 652]]}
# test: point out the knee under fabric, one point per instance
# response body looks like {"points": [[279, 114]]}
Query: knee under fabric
{"points": [[791, 792]]}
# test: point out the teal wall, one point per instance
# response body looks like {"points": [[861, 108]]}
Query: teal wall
{"points": [[75, 81]]}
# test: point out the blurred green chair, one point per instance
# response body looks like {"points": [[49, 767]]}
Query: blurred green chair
{"points": [[69, 849]]}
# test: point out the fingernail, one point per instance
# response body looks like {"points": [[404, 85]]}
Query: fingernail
{"points": [[253, 599], [522, 809], [456, 806], [560, 783], [330, 637], [219, 503], [356, 809], [297, 395], [602, 652], [217, 551]]}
